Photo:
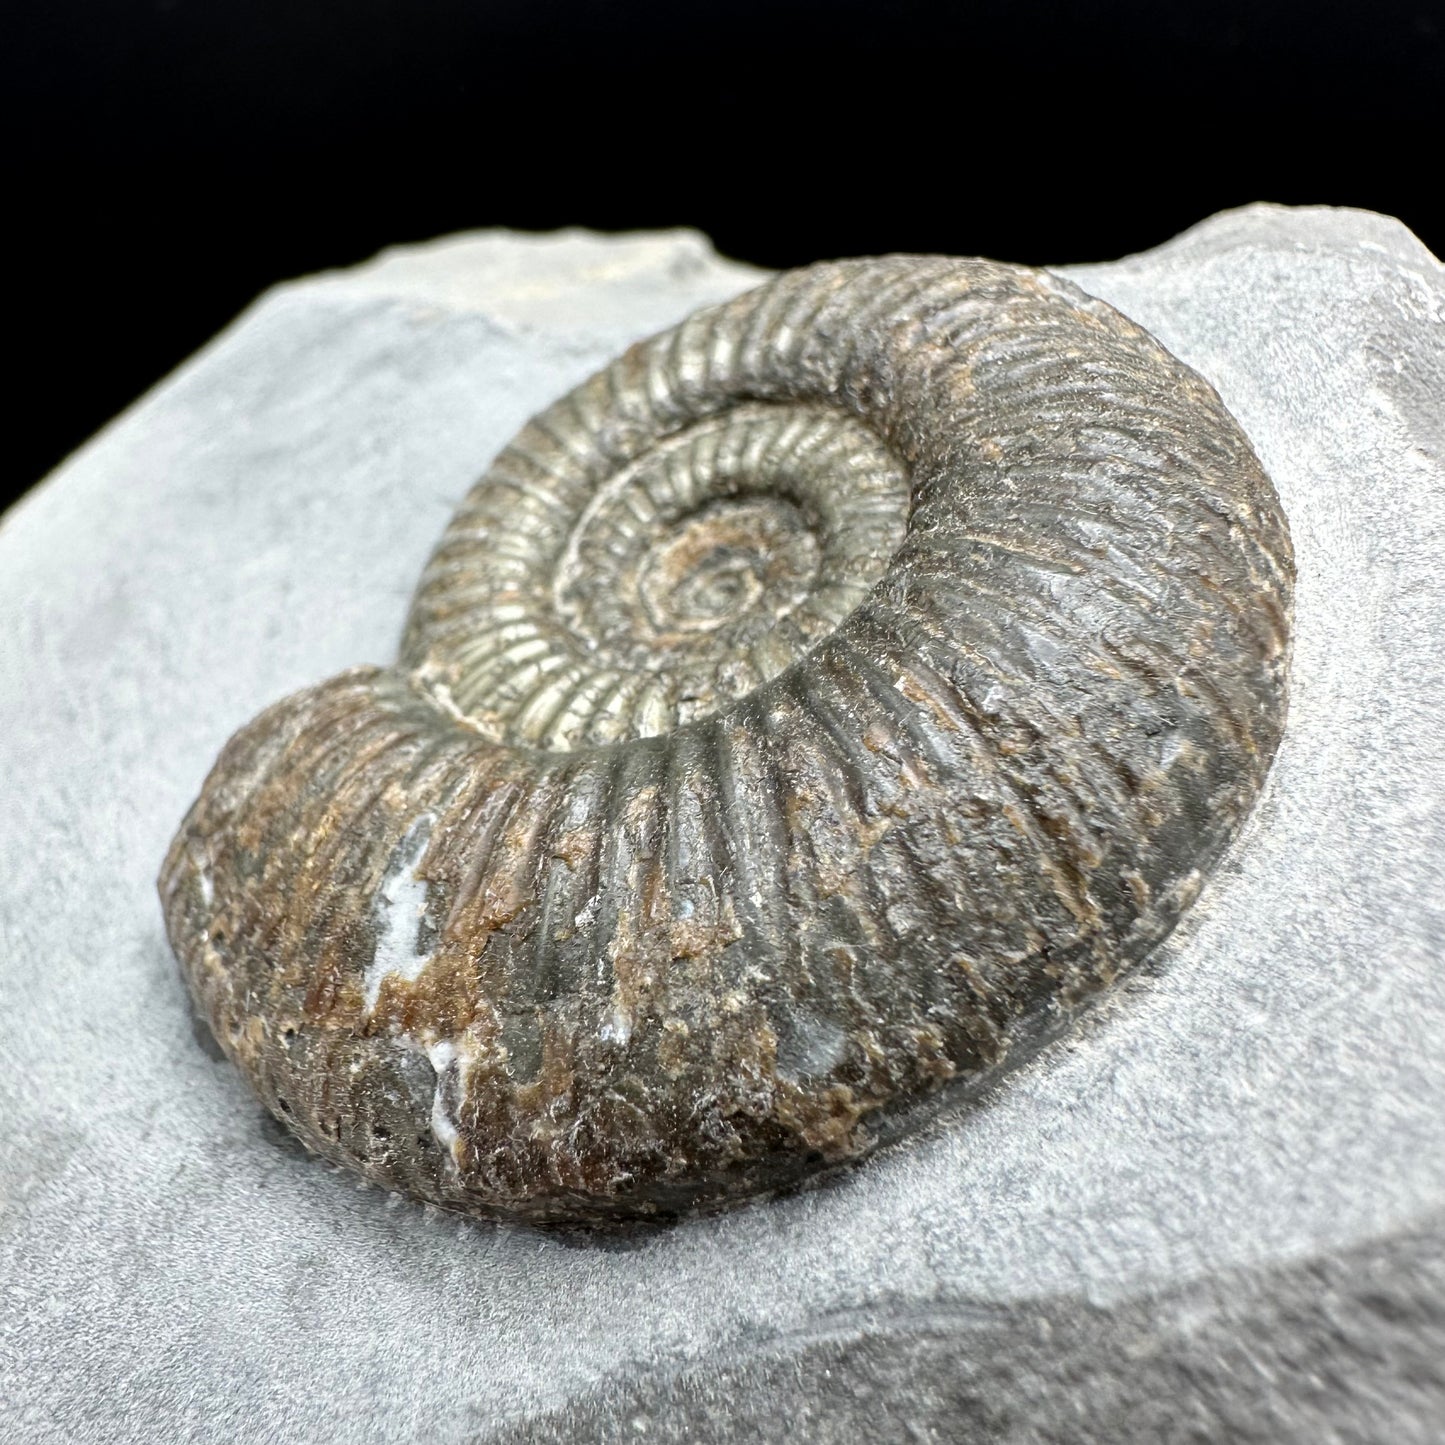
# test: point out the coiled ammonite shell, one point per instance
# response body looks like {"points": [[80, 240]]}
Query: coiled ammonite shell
{"points": [[804, 717]]}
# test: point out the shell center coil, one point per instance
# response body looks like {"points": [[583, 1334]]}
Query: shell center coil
{"points": [[696, 572], [724, 563]]}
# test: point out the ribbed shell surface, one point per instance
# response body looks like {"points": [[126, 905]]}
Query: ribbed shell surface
{"points": [[811, 711]]}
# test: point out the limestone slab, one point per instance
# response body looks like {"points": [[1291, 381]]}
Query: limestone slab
{"points": [[1216, 1211]]}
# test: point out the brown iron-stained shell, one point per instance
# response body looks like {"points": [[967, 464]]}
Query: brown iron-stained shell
{"points": [[809, 712]]}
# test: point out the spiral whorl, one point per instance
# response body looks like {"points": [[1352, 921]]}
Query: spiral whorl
{"points": [[579, 600], [812, 709]]}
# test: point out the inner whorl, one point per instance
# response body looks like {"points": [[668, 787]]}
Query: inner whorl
{"points": [[580, 598], [810, 711]]}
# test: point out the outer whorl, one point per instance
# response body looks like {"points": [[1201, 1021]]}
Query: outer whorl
{"points": [[812, 710]]}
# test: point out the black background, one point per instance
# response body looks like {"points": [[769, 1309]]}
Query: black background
{"points": [[168, 160]]}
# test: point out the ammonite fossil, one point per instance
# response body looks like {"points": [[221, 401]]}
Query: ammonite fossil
{"points": [[802, 719]]}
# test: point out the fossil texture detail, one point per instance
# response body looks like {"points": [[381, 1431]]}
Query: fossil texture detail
{"points": [[811, 711]]}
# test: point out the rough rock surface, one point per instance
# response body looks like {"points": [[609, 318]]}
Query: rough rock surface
{"points": [[1216, 1213]]}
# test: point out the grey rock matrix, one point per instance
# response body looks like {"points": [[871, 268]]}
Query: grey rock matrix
{"points": [[1216, 1213]]}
